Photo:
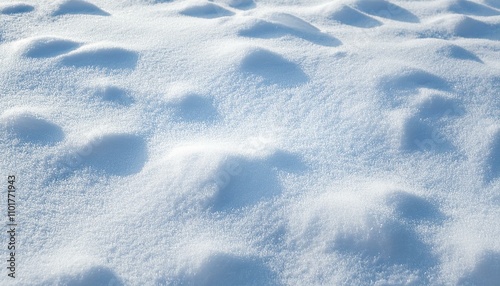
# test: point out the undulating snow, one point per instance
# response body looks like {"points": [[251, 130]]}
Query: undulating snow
{"points": [[251, 142]]}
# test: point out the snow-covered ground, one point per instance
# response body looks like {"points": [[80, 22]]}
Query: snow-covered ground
{"points": [[240, 142]]}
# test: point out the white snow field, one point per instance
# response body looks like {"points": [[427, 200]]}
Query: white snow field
{"points": [[251, 142]]}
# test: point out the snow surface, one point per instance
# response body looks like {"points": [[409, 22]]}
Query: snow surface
{"points": [[252, 142]]}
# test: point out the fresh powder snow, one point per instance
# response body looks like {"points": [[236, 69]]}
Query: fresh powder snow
{"points": [[250, 142]]}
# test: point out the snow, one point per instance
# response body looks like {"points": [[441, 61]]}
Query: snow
{"points": [[235, 142]]}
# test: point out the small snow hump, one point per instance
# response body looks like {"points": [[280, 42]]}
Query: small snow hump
{"points": [[103, 56], [486, 272], [419, 134], [471, 8], [195, 108], [385, 9], [347, 15], [238, 4], [47, 46], [228, 270], [437, 106], [412, 207], [30, 128], [410, 80], [242, 181], [272, 68], [118, 154], [459, 53], [113, 94], [453, 25], [79, 7], [280, 24], [207, 11], [16, 8], [467, 27], [97, 275]]}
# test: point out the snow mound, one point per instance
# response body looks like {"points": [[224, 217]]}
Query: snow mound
{"points": [[280, 24], [239, 4], [457, 52], [78, 7], [272, 68], [113, 94], [465, 27], [97, 275], [207, 11], [113, 154], [470, 8], [101, 55], [226, 270], [245, 142], [194, 107], [15, 8], [386, 9], [486, 271], [31, 128], [47, 47], [373, 225], [348, 15]]}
